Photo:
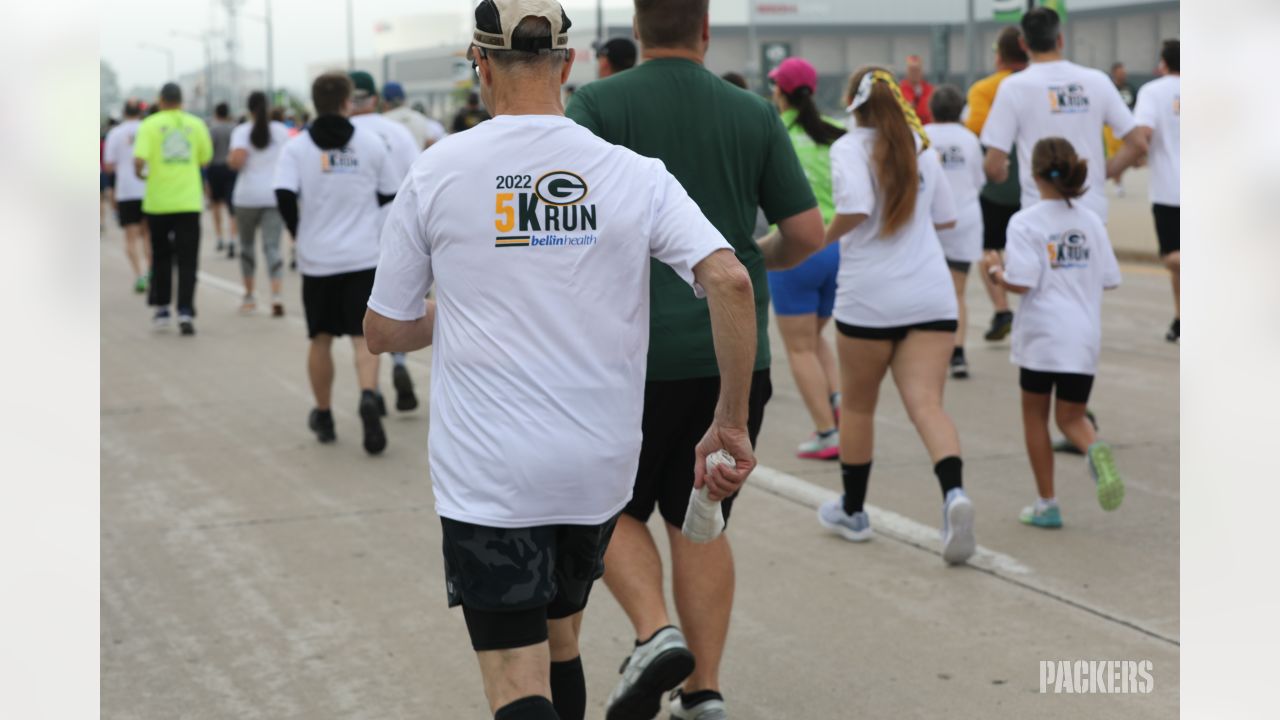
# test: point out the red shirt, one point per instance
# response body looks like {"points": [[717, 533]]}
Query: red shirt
{"points": [[920, 102]]}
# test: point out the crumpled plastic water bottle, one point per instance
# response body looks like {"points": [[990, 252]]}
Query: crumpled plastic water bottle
{"points": [[704, 519]]}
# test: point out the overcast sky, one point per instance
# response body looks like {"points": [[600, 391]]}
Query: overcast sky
{"points": [[306, 31]]}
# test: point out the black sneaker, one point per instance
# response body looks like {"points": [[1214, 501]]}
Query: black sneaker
{"points": [[221, 245], [231, 250], [1175, 331], [1001, 325], [321, 423], [375, 440], [405, 399], [959, 367], [186, 325], [1066, 446]]}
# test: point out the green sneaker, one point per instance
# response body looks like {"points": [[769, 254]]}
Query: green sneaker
{"points": [[1049, 517], [140, 286], [1103, 468]]}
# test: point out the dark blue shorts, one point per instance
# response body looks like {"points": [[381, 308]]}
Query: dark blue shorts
{"points": [[810, 287]]}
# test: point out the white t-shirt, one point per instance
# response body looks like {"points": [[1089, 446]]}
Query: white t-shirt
{"points": [[400, 144], [960, 153], [1160, 108], [119, 152], [542, 315], [1058, 99], [255, 178], [897, 280], [338, 200], [420, 126], [1064, 255]]}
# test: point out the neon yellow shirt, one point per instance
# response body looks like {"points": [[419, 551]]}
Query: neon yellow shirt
{"points": [[175, 145]]}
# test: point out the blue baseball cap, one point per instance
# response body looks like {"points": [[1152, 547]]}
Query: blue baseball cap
{"points": [[392, 91]]}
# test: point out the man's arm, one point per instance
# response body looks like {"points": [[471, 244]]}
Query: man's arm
{"points": [[996, 165], [139, 167], [1135, 147], [287, 201], [383, 334], [796, 238], [731, 301]]}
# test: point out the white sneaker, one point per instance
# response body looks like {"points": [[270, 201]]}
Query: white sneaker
{"points": [[958, 541], [710, 709], [161, 320]]}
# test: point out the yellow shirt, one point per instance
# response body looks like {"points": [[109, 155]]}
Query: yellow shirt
{"points": [[175, 145], [981, 96]]}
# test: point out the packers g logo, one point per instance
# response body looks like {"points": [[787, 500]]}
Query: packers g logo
{"points": [[560, 187], [1073, 237]]}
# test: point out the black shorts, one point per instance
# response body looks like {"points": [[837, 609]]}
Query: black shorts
{"points": [[960, 266], [222, 180], [1072, 387], [894, 333], [995, 223], [106, 181], [1168, 228], [335, 304], [677, 414], [130, 212], [510, 581]]}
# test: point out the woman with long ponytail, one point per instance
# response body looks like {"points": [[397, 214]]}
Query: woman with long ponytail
{"points": [[255, 145], [895, 308], [803, 297]]}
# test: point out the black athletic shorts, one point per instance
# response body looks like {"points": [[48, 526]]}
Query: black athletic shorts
{"points": [[995, 223], [222, 180], [894, 333], [335, 304], [677, 414], [130, 212], [1072, 387], [960, 266], [510, 581], [1168, 228]]}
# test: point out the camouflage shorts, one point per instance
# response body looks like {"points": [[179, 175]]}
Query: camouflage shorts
{"points": [[504, 569]]}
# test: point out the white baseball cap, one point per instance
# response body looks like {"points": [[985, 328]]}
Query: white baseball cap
{"points": [[497, 19]]}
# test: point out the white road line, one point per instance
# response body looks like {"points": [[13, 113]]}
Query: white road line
{"points": [[885, 522]]}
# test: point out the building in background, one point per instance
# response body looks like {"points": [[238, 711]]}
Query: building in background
{"points": [[425, 52]]}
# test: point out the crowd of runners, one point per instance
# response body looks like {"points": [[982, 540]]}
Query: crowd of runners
{"points": [[605, 270]]}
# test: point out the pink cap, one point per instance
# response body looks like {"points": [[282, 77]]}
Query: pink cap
{"points": [[794, 73]]}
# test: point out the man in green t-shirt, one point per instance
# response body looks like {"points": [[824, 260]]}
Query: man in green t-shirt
{"points": [[169, 150], [730, 151]]}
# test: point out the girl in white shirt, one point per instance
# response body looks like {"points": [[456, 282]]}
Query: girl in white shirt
{"points": [[895, 306], [255, 147], [1059, 259], [961, 156]]}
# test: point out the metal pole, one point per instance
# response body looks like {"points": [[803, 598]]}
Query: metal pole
{"points": [[351, 39], [753, 48], [970, 45], [599, 22], [270, 57]]}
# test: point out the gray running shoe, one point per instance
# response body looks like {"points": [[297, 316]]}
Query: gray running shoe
{"points": [[854, 528], [712, 709], [661, 663]]}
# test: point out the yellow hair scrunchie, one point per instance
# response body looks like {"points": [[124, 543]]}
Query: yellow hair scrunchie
{"points": [[864, 93]]}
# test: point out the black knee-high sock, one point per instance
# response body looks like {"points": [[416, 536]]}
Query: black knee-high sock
{"points": [[949, 471], [855, 486], [534, 707], [569, 689]]}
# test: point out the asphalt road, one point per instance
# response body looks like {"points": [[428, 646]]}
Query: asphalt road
{"points": [[248, 572]]}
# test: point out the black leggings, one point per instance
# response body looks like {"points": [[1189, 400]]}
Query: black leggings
{"points": [[174, 234]]}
